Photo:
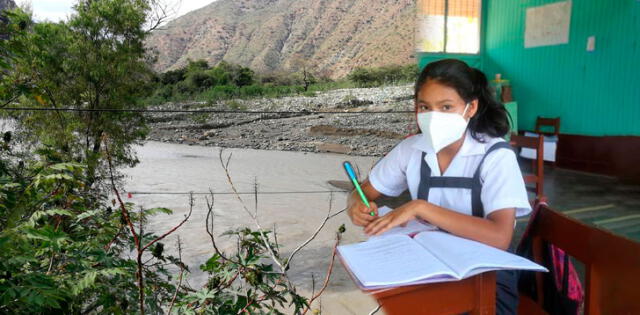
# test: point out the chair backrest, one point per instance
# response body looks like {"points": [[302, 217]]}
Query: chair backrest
{"points": [[551, 122], [611, 262], [536, 143]]}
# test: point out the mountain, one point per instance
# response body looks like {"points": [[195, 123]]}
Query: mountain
{"points": [[329, 37], [7, 4]]}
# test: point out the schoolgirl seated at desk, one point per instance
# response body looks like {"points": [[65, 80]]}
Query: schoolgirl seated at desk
{"points": [[461, 174]]}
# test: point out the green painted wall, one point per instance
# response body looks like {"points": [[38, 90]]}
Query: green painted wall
{"points": [[595, 93], [472, 60]]}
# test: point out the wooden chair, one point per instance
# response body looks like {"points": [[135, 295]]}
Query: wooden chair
{"points": [[553, 123], [537, 177], [550, 122], [611, 262]]}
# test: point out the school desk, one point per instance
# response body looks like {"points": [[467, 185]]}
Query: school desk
{"points": [[476, 295]]}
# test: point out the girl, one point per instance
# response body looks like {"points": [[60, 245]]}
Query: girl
{"points": [[461, 174]]}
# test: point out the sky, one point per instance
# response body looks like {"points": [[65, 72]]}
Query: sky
{"points": [[56, 10]]}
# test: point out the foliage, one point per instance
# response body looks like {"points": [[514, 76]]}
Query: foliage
{"points": [[57, 255], [94, 61], [226, 81], [13, 24], [369, 77], [197, 77], [198, 81], [244, 282]]}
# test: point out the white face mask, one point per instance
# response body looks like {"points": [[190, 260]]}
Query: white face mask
{"points": [[442, 129]]}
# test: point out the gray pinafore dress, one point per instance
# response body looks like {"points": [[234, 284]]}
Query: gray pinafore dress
{"points": [[506, 281]]}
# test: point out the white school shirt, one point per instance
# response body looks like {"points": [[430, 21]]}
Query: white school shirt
{"points": [[502, 181]]}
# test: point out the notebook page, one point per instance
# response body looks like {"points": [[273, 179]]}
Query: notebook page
{"points": [[395, 259], [464, 256]]}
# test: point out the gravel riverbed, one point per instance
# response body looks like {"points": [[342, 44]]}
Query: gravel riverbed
{"points": [[314, 127]]}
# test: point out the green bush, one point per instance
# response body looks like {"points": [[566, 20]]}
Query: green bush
{"points": [[201, 118], [244, 77], [226, 81], [282, 79], [410, 72], [63, 252], [362, 77], [199, 81], [219, 76], [309, 93], [173, 76], [183, 88], [370, 77], [260, 289], [196, 65], [253, 90]]}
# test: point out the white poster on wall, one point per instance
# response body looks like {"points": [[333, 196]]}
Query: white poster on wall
{"points": [[547, 24]]}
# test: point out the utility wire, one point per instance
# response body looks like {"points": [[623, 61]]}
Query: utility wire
{"points": [[232, 193], [216, 111]]}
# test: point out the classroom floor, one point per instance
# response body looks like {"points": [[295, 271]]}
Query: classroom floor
{"points": [[601, 201]]}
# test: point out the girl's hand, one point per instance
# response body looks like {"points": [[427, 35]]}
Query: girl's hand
{"points": [[399, 216], [360, 214]]}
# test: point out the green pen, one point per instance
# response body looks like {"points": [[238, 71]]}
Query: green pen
{"points": [[354, 179]]}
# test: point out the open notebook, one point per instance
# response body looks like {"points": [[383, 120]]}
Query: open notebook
{"points": [[397, 259]]}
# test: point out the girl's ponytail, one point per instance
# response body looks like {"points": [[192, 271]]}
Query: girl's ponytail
{"points": [[491, 117]]}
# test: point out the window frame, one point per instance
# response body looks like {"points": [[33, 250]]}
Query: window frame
{"points": [[481, 34]]}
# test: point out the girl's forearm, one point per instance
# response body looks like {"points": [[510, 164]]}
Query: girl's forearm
{"points": [[496, 232]]}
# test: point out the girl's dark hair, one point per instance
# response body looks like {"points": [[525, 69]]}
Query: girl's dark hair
{"points": [[491, 118]]}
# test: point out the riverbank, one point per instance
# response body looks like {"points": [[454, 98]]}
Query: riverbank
{"points": [[304, 129]]}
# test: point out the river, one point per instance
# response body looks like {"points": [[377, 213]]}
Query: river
{"points": [[293, 196]]}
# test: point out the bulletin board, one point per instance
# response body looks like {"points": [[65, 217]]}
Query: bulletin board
{"points": [[547, 24]]}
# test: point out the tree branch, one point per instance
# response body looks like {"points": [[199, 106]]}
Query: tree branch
{"points": [[225, 167], [313, 236], [159, 13], [210, 231], [123, 208], [137, 238], [175, 294], [175, 227], [329, 272], [10, 101]]}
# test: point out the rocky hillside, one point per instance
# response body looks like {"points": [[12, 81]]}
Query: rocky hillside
{"points": [[7, 4], [330, 37]]}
